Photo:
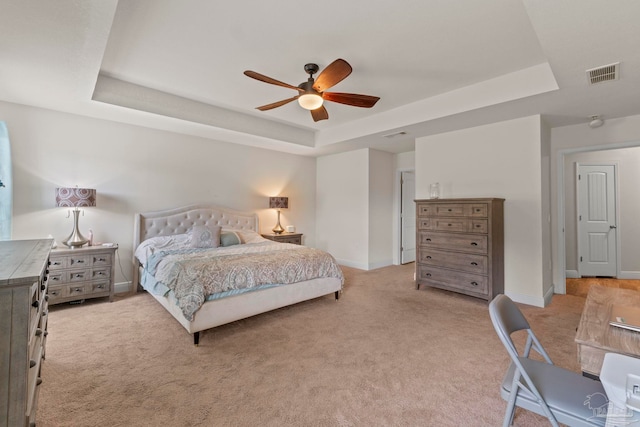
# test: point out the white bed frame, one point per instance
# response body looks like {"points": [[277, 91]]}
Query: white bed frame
{"points": [[218, 312]]}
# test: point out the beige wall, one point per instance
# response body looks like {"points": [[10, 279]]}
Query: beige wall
{"points": [[136, 169], [381, 173], [497, 160]]}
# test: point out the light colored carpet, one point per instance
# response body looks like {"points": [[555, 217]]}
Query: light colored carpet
{"points": [[385, 354]]}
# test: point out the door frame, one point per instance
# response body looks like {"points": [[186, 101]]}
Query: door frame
{"points": [[400, 216], [560, 262], [616, 191], [397, 252]]}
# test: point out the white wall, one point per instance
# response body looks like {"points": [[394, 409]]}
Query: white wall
{"points": [[342, 207], [136, 169], [497, 160], [381, 173], [355, 207], [567, 140]]}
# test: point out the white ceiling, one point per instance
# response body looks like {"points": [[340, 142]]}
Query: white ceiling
{"points": [[437, 65]]}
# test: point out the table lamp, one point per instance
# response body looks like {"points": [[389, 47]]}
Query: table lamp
{"points": [[278, 203], [75, 198]]}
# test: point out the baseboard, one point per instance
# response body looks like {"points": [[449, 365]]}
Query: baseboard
{"points": [[572, 274], [122, 287], [629, 275], [527, 299]]}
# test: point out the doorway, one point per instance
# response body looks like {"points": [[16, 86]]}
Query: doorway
{"points": [[597, 219], [407, 217]]}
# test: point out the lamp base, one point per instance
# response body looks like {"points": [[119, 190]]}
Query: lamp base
{"points": [[278, 228], [75, 239]]}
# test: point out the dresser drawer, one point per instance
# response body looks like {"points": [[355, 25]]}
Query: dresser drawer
{"points": [[452, 209], [78, 275], [457, 261], [460, 242], [479, 210], [449, 279], [460, 225], [101, 260], [100, 273], [425, 223], [79, 261], [57, 293], [56, 263], [426, 210], [99, 287]]}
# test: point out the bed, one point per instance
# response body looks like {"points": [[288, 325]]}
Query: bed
{"points": [[175, 224]]}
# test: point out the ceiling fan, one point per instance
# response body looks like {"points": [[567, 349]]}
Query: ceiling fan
{"points": [[311, 93]]}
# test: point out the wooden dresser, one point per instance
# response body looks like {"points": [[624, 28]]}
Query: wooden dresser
{"points": [[82, 273], [460, 245], [23, 327]]}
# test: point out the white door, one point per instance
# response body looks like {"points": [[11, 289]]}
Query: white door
{"points": [[597, 232], [407, 218]]}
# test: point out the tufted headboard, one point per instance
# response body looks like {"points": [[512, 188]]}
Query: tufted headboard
{"points": [[179, 220]]}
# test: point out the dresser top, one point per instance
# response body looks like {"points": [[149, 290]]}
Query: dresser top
{"points": [[22, 261], [470, 200]]}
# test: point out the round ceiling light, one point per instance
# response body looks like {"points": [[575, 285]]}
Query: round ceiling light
{"points": [[310, 101]]}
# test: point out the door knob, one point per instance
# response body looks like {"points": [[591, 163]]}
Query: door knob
{"points": [[612, 226]]}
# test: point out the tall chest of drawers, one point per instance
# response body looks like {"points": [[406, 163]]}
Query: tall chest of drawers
{"points": [[460, 245], [23, 327], [81, 273]]}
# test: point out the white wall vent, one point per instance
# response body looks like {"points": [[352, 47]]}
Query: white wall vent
{"points": [[604, 73]]}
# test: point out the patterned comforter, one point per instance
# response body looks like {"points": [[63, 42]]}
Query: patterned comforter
{"points": [[194, 274]]}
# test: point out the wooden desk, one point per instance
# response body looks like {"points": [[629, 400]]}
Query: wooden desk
{"points": [[595, 337]]}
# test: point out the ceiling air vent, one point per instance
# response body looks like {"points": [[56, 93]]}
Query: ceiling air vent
{"points": [[604, 73], [395, 134]]}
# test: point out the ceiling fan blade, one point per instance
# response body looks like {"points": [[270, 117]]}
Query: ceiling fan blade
{"points": [[319, 114], [335, 72], [354, 99], [276, 104], [266, 79]]}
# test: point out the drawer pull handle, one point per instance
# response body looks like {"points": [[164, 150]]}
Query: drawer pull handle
{"points": [[44, 313], [35, 304], [46, 297], [46, 333], [474, 263], [100, 286], [77, 289], [428, 240], [39, 381], [38, 332], [78, 275], [449, 210], [474, 244], [474, 283], [55, 263], [428, 274], [449, 225], [102, 259], [477, 225], [55, 278], [32, 363], [100, 273], [428, 256], [43, 287], [80, 261]]}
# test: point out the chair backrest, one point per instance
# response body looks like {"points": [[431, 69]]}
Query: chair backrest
{"points": [[507, 319]]}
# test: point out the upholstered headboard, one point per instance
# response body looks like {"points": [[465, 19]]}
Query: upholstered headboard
{"points": [[180, 220]]}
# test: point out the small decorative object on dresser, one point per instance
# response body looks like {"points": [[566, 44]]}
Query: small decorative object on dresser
{"points": [[295, 238], [460, 245], [23, 327], [81, 273]]}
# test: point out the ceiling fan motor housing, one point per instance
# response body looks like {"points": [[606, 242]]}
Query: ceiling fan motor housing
{"points": [[311, 68]]}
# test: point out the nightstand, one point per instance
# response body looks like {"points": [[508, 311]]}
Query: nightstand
{"points": [[81, 273], [295, 238]]}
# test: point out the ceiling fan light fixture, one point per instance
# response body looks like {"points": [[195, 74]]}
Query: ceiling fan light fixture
{"points": [[310, 101]]}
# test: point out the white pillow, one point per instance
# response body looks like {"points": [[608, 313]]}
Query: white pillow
{"points": [[248, 236], [155, 244], [205, 236]]}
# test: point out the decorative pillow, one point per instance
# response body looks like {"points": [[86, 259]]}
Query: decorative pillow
{"points": [[229, 238], [249, 236], [203, 236]]}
